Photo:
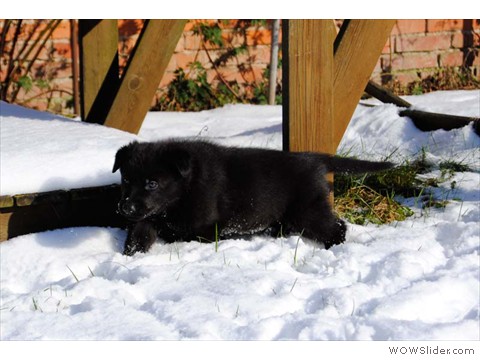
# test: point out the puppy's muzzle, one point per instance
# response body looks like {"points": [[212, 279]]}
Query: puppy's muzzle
{"points": [[127, 208]]}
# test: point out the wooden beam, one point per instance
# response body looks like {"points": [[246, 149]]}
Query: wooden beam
{"points": [[385, 95], [308, 62], [428, 121], [358, 48], [99, 68], [144, 72], [28, 213]]}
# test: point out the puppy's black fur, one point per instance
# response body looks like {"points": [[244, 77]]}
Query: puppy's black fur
{"points": [[191, 190]]}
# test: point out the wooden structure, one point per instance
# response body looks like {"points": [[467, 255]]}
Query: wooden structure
{"points": [[124, 101], [324, 77], [29, 213]]}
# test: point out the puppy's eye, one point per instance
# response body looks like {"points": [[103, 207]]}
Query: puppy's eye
{"points": [[151, 185], [126, 181]]}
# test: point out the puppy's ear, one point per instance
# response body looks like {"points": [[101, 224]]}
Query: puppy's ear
{"points": [[182, 162], [121, 156]]}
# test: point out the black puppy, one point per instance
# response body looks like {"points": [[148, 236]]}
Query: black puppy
{"points": [[181, 190]]}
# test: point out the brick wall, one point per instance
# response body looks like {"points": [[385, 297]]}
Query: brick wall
{"points": [[53, 64], [191, 48], [415, 49]]}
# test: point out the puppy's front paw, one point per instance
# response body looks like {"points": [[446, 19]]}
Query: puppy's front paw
{"points": [[140, 238], [130, 249]]}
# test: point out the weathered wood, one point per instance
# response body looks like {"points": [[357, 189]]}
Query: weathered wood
{"points": [[309, 85], [4, 221], [74, 45], [41, 198], [359, 47], [146, 67], [6, 201], [56, 209], [423, 120], [385, 95], [428, 121], [99, 67], [272, 76]]}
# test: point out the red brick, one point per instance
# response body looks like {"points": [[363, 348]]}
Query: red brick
{"points": [[457, 40], [191, 41], [405, 26], [182, 60], [180, 46], [231, 38], [423, 42], [129, 27], [454, 58], [172, 64], [122, 63], [44, 54], [260, 54], [388, 46], [412, 61], [37, 104], [62, 49], [126, 45], [255, 74], [434, 25], [231, 74], [64, 84], [62, 72], [166, 79], [11, 30], [406, 77], [190, 25], [26, 29], [258, 37], [3, 73], [253, 55], [460, 39], [378, 66], [62, 31], [212, 76]]}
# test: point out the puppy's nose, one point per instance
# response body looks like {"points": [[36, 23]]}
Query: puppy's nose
{"points": [[127, 208]]}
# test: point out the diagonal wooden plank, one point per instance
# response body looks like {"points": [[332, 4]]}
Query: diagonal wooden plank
{"points": [[359, 46], [144, 72], [99, 67]]}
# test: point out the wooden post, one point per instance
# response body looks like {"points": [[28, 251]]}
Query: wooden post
{"points": [[75, 66], [272, 78], [99, 67], [308, 102], [148, 63], [358, 48]]}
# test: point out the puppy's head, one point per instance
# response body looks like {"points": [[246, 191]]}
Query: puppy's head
{"points": [[154, 178]]}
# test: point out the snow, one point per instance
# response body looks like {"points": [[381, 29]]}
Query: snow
{"points": [[43, 152], [413, 280]]}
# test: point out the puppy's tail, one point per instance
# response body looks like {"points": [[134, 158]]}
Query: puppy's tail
{"points": [[353, 166]]}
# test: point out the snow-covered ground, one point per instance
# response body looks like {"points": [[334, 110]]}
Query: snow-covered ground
{"points": [[417, 279]]}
